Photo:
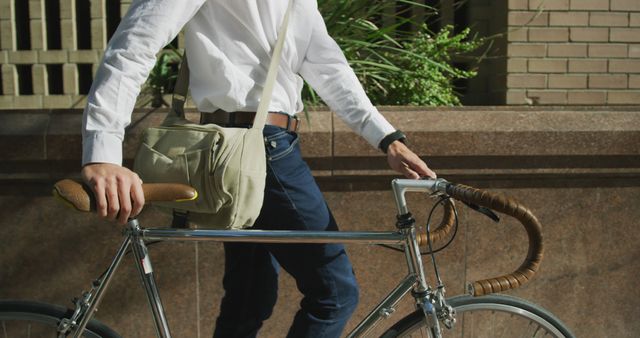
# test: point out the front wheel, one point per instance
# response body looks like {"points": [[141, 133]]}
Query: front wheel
{"points": [[25, 319], [487, 316]]}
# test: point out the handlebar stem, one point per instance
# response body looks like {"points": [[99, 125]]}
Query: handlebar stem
{"points": [[401, 185]]}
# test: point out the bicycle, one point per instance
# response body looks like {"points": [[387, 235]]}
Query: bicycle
{"points": [[435, 316]]}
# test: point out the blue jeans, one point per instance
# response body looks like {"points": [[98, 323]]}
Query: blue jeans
{"points": [[323, 272]]}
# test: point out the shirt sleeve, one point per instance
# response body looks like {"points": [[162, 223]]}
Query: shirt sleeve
{"points": [[327, 71], [148, 26]]}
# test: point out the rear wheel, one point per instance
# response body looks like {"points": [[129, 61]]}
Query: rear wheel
{"points": [[26, 319], [487, 316]]}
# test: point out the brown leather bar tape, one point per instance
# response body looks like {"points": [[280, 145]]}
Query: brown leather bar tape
{"points": [[508, 206], [80, 197], [442, 231]]}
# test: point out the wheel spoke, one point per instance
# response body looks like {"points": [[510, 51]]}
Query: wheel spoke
{"points": [[538, 329]]}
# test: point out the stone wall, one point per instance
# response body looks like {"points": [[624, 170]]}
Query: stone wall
{"points": [[577, 169], [573, 52]]}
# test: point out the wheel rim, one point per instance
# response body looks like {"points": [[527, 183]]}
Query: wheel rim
{"points": [[492, 320], [31, 325]]}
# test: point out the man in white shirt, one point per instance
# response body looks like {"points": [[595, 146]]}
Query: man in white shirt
{"points": [[229, 45]]}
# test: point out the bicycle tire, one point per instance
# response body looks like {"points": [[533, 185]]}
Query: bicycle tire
{"points": [[24, 319], [491, 313]]}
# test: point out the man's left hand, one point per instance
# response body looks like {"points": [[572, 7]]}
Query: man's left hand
{"points": [[406, 162]]}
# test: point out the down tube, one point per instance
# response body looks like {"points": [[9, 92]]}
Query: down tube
{"points": [[385, 308]]}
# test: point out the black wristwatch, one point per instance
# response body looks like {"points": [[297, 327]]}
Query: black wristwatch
{"points": [[387, 140]]}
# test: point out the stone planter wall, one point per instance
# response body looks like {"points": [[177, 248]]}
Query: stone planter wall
{"points": [[577, 169]]}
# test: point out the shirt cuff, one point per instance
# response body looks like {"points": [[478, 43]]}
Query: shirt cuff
{"points": [[100, 147], [376, 129]]}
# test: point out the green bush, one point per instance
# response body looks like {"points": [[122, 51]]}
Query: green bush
{"points": [[426, 75], [395, 66]]}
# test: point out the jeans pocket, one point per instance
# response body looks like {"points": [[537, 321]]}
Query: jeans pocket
{"points": [[280, 144]]}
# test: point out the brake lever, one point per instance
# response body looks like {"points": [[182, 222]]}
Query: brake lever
{"points": [[485, 211]]}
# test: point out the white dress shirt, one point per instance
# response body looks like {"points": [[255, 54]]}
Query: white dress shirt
{"points": [[229, 45]]}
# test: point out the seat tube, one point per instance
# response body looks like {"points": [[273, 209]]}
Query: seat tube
{"points": [[143, 263]]}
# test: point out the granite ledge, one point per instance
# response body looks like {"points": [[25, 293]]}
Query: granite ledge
{"points": [[450, 137]]}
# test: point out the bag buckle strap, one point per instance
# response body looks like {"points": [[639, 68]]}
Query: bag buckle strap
{"points": [[180, 219]]}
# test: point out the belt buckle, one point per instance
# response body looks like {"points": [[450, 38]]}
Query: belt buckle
{"points": [[288, 122], [289, 118], [295, 117]]}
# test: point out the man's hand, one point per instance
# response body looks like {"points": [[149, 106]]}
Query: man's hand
{"points": [[118, 190], [406, 162]]}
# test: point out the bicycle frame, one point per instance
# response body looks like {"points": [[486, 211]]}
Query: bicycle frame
{"points": [[414, 282]]}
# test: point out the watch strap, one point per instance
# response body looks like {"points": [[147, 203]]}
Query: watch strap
{"points": [[387, 140]]}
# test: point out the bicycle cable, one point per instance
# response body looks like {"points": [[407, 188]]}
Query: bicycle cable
{"points": [[429, 243], [453, 235]]}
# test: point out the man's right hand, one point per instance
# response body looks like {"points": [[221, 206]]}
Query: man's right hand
{"points": [[118, 190]]}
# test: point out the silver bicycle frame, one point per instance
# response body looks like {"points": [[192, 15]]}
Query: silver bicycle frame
{"points": [[414, 281]]}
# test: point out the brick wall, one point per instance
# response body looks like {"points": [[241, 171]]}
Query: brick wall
{"points": [[573, 52]]}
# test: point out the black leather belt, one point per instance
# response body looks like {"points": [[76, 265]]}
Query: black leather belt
{"points": [[245, 118]]}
